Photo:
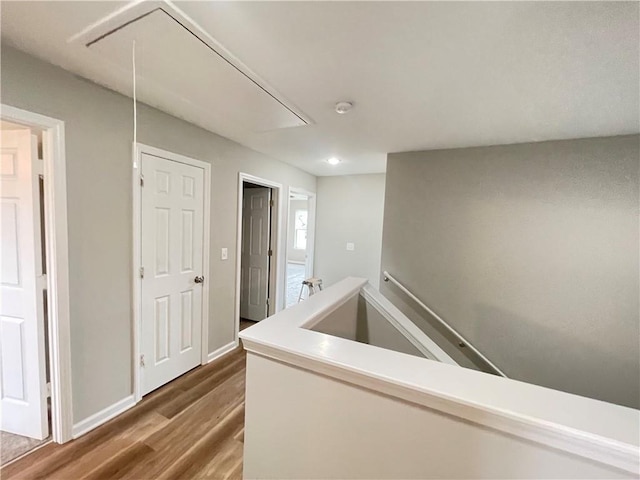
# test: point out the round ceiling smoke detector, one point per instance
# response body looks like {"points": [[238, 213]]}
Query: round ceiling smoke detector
{"points": [[343, 107]]}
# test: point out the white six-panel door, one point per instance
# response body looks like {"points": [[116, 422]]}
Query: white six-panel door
{"points": [[172, 219], [256, 230], [23, 389]]}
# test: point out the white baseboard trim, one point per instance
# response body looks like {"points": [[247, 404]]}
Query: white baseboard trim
{"points": [[222, 350], [103, 416]]}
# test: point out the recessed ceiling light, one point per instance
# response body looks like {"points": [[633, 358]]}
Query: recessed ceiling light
{"points": [[343, 107], [333, 161]]}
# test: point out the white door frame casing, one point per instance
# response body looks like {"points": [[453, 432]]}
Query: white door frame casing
{"points": [[57, 254], [138, 150], [276, 220], [311, 234]]}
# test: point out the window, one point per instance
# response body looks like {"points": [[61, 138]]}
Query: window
{"points": [[300, 228]]}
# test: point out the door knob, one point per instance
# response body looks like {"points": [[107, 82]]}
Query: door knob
{"points": [[199, 279]]}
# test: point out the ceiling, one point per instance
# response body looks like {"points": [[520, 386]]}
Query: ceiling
{"points": [[421, 75]]}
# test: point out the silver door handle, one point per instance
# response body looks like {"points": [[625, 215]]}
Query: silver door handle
{"points": [[199, 279]]}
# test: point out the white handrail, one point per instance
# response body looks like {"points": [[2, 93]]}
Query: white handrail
{"points": [[451, 330]]}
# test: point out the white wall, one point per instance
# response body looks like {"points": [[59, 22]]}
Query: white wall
{"points": [[531, 252], [301, 424], [349, 209], [99, 136]]}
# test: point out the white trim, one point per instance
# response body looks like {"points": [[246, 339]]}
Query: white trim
{"points": [[110, 22], [138, 150], [404, 326], [219, 352], [556, 419], [103, 416], [136, 305], [277, 246], [311, 235], [57, 246], [206, 264]]}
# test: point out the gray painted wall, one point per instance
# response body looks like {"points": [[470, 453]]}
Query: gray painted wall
{"points": [[374, 329], [99, 135], [349, 209], [531, 252], [359, 321]]}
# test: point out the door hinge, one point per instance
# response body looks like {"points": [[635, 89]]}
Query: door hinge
{"points": [[141, 272], [269, 253], [141, 180], [142, 360], [48, 389], [271, 203]]}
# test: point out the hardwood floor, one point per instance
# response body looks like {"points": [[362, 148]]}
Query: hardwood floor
{"points": [[190, 428], [244, 323]]}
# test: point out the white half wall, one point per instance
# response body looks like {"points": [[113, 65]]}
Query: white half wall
{"points": [[301, 424]]}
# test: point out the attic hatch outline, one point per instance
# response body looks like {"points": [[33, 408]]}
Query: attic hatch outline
{"points": [[197, 37]]}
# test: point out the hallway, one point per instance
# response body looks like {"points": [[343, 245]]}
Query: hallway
{"points": [[295, 276]]}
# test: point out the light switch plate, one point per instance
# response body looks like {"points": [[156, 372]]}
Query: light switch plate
{"points": [[224, 254], [351, 246]]}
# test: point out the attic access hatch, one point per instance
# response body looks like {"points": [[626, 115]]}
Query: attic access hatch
{"points": [[176, 71]]}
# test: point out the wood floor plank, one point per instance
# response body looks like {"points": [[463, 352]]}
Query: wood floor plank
{"points": [[14, 469], [182, 401], [48, 467], [97, 457], [46, 464], [171, 457], [103, 454], [199, 437], [146, 426], [189, 466], [200, 416], [236, 473], [120, 464], [225, 462], [195, 376]]}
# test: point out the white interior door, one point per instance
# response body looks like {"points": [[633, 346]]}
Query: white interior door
{"points": [[256, 233], [172, 218], [23, 387]]}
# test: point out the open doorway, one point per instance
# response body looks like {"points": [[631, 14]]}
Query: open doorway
{"points": [[24, 339], [300, 242], [35, 383], [258, 214]]}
